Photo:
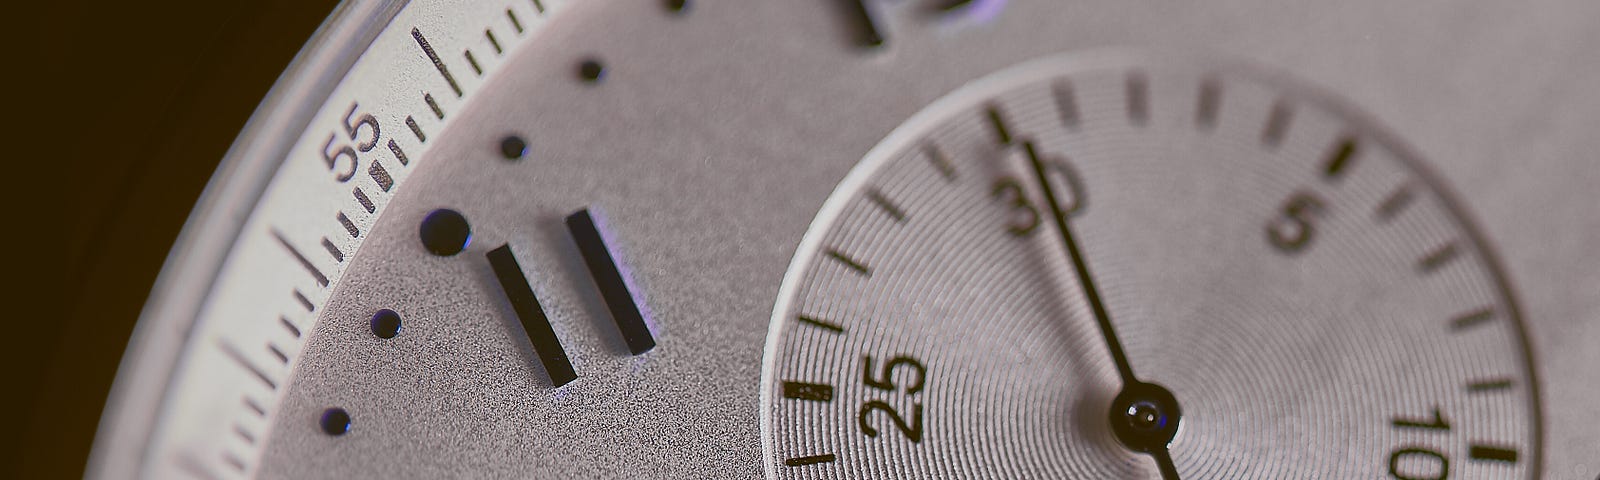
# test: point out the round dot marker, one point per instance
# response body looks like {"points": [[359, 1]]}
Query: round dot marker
{"points": [[591, 70], [677, 6], [445, 232], [385, 323], [513, 147], [335, 421]]}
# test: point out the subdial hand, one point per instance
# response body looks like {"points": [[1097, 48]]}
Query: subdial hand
{"points": [[1144, 416]]}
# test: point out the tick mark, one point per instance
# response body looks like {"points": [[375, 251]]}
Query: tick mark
{"points": [[1394, 203], [1066, 104], [473, 62], [1343, 152], [278, 354], [253, 406], [380, 175], [196, 468], [287, 325], [1205, 114], [233, 354], [1277, 124], [349, 227], [361, 198], [849, 262], [538, 6], [416, 130], [398, 153], [1138, 93], [338, 256], [822, 324], [233, 461], [304, 302], [887, 206], [1471, 319], [814, 392], [626, 308], [1489, 385], [515, 23], [939, 161], [1437, 258], [438, 64], [493, 42], [432, 105], [244, 434], [316, 274], [1496, 454], [531, 315], [997, 124], [810, 460]]}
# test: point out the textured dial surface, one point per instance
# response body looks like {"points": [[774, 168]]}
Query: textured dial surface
{"points": [[1306, 289]]}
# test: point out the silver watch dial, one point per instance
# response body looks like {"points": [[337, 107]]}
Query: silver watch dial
{"points": [[891, 239]]}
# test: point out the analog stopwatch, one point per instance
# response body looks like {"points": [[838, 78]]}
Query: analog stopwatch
{"points": [[890, 239]]}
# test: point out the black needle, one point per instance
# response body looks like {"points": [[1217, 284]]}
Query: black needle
{"points": [[1082, 267], [1144, 416], [1164, 462]]}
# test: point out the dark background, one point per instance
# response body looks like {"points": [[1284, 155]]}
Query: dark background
{"points": [[123, 110]]}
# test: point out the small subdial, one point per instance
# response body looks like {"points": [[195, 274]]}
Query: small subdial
{"points": [[1131, 267]]}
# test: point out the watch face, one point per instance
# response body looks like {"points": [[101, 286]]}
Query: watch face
{"points": [[890, 239]]}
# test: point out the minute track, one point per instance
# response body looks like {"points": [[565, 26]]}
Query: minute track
{"points": [[1186, 164]]}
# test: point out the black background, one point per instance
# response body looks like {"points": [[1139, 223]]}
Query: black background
{"points": [[116, 113]]}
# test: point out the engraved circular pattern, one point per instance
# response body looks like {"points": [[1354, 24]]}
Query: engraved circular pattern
{"points": [[1313, 362]]}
